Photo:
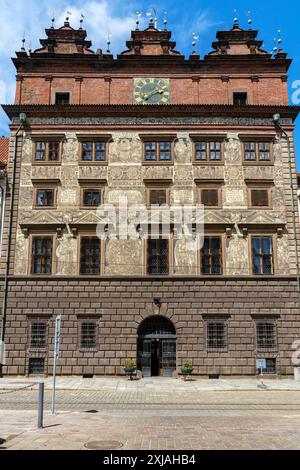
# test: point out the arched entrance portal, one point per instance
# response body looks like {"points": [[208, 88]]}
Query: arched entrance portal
{"points": [[157, 347]]}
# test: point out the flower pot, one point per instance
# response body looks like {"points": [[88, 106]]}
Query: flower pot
{"points": [[129, 370], [186, 371]]}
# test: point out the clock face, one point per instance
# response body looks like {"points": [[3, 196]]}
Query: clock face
{"points": [[151, 91]]}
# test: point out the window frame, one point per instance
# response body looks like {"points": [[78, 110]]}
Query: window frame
{"points": [[222, 256], [240, 93], [260, 186], [33, 321], [170, 258], [47, 140], [45, 187], [61, 93], [158, 139], [269, 349], [89, 318], [210, 186], [94, 188], [101, 254], [88, 321], [273, 255], [257, 140], [34, 236], [41, 358], [208, 139], [215, 319], [159, 186], [94, 139]]}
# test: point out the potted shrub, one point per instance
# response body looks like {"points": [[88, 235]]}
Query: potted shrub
{"points": [[187, 368], [130, 367]]}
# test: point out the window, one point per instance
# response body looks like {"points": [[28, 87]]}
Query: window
{"points": [[266, 335], [38, 337], [158, 256], [90, 256], [211, 256], [216, 335], [36, 365], [208, 151], [262, 255], [91, 197], [257, 151], [47, 151], [62, 98], [93, 151], [259, 197], [157, 197], [209, 197], [240, 99], [45, 197], [42, 255], [158, 151], [88, 335]]}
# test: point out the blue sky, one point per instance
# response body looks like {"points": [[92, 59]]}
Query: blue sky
{"points": [[185, 17]]}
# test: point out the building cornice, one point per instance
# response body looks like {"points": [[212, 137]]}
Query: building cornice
{"points": [[153, 111]]}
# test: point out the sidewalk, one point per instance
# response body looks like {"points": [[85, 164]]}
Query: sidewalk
{"points": [[151, 383]]}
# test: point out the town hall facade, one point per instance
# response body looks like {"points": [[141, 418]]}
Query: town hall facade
{"points": [[160, 129]]}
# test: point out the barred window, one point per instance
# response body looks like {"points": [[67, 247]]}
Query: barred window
{"points": [[42, 255], [270, 366], [216, 335], [38, 339], [93, 151], [158, 257], [158, 151], [262, 255], [47, 151], [266, 335], [45, 197], [90, 256], [36, 365], [211, 256], [88, 338]]}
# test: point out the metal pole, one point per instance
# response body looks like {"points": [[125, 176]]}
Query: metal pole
{"points": [[53, 386], [55, 358], [41, 405]]}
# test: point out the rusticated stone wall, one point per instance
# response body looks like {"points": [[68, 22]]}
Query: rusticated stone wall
{"points": [[119, 305]]}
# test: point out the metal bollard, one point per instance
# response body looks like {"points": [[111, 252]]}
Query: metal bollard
{"points": [[41, 405]]}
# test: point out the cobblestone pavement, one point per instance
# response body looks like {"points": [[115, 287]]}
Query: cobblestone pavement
{"points": [[154, 420]]}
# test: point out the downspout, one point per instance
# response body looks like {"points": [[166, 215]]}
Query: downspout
{"points": [[23, 119]]}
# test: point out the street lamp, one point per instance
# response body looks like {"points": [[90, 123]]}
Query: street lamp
{"points": [[284, 135]]}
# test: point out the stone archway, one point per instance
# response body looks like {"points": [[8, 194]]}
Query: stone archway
{"points": [[156, 347]]}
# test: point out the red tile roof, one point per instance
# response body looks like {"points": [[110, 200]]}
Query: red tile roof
{"points": [[4, 146]]}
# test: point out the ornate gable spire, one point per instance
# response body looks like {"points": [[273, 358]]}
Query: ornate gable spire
{"points": [[237, 41], [65, 40], [151, 42]]}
